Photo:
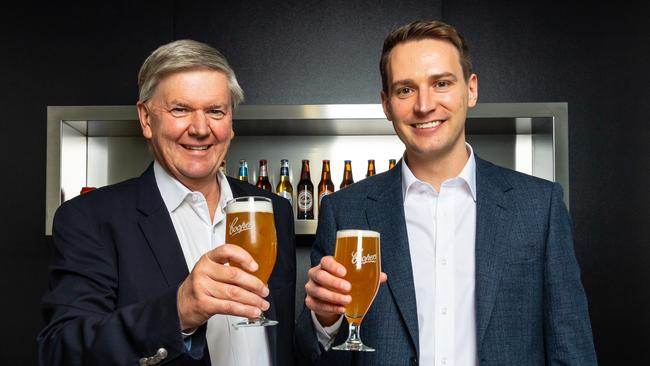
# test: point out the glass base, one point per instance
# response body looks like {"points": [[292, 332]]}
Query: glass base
{"points": [[353, 346], [255, 322]]}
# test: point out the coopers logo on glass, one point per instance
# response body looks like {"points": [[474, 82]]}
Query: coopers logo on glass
{"points": [[237, 229], [363, 259]]}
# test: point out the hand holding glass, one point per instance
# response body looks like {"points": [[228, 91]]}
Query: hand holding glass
{"points": [[250, 225], [359, 252]]}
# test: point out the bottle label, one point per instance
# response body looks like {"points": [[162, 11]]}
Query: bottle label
{"points": [[286, 195], [305, 201], [323, 194]]}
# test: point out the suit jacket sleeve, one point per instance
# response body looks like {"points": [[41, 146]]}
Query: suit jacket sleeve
{"points": [[85, 324], [568, 337]]}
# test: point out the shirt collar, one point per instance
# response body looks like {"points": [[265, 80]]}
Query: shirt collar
{"points": [[467, 174], [174, 192]]}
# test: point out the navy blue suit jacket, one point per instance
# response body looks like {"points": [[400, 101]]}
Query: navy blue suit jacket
{"points": [[115, 274], [530, 305]]}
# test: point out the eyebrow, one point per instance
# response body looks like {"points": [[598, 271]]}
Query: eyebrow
{"points": [[178, 103], [442, 75]]}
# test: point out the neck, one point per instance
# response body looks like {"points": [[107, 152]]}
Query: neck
{"points": [[436, 169]]}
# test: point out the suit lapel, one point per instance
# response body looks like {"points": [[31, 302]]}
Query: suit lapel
{"points": [[385, 214], [158, 229], [493, 220]]}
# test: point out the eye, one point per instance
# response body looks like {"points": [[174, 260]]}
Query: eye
{"points": [[403, 91], [179, 112], [216, 113], [443, 84]]}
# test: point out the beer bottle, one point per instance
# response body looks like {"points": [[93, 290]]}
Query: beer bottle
{"points": [[222, 167], [305, 194], [371, 168], [243, 170], [326, 186], [391, 163], [284, 188], [347, 175], [263, 177]]}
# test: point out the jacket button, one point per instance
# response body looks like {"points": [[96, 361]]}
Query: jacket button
{"points": [[414, 361]]}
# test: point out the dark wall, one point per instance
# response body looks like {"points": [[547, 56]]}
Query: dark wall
{"points": [[595, 58], [308, 53]]}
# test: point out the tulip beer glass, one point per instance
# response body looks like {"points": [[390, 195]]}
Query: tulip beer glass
{"points": [[358, 251], [250, 224]]}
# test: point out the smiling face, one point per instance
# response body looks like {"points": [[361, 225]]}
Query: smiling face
{"points": [[188, 122], [427, 100]]}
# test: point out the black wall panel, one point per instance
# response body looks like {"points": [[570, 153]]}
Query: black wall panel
{"points": [[594, 58]]}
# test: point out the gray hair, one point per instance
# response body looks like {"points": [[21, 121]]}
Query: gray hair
{"points": [[184, 55]]}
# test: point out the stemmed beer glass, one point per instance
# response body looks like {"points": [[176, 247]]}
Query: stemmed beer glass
{"points": [[359, 252], [250, 224]]}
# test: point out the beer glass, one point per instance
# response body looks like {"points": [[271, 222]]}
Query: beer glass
{"points": [[250, 224], [358, 251]]}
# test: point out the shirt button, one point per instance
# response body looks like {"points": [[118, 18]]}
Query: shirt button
{"points": [[443, 360], [443, 262], [444, 312]]}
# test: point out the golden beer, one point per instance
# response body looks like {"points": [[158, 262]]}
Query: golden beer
{"points": [[358, 251], [250, 225]]}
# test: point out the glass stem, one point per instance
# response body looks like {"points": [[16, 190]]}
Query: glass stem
{"points": [[353, 333]]}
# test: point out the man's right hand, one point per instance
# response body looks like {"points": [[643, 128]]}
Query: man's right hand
{"points": [[215, 288], [327, 291]]}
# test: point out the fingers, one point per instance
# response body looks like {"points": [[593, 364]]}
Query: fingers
{"points": [[220, 273], [216, 288], [327, 291], [329, 264], [383, 277], [233, 253]]}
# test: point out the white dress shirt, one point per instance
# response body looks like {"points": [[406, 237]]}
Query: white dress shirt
{"points": [[441, 229], [198, 234]]}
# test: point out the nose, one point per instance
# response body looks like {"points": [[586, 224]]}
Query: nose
{"points": [[425, 101], [199, 125]]}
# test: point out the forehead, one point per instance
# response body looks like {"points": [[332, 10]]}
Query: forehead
{"points": [[197, 85], [427, 56]]}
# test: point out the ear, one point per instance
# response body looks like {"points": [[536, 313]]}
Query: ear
{"points": [[472, 88], [145, 120], [385, 103]]}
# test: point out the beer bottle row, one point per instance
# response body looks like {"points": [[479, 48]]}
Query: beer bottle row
{"points": [[305, 189]]}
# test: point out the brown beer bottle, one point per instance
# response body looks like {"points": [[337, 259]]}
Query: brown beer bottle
{"points": [[222, 167], [371, 168], [391, 163], [347, 175], [326, 186], [305, 194], [263, 177]]}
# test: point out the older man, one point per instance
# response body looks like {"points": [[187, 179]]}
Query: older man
{"points": [[140, 270]]}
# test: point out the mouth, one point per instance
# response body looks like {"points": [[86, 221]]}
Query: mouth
{"points": [[196, 148], [430, 124]]}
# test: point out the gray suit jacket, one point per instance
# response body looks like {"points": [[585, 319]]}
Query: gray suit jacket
{"points": [[530, 305]]}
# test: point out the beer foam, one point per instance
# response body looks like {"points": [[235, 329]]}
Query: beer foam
{"points": [[356, 233], [249, 206]]}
